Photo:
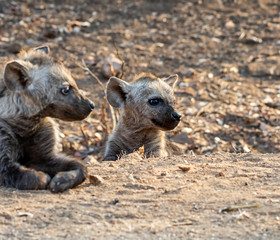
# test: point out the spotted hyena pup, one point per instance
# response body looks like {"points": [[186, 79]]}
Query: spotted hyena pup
{"points": [[35, 88], [147, 110]]}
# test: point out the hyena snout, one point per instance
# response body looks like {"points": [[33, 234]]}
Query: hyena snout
{"points": [[176, 116], [91, 105], [84, 106], [166, 120], [172, 121], [78, 108]]}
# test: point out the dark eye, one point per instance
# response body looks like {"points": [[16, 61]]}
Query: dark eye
{"points": [[155, 101], [65, 91]]}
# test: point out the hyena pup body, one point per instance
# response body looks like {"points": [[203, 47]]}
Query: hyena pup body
{"points": [[35, 88], [147, 110]]}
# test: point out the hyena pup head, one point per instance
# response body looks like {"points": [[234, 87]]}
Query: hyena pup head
{"points": [[149, 100], [44, 87]]}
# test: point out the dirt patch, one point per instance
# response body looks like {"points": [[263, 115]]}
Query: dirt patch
{"points": [[226, 54], [154, 199]]}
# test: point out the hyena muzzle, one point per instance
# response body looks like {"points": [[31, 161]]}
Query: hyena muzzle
{"points": [[147, 110], [35, 88]]}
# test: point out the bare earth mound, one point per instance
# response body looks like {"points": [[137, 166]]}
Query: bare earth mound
{"points": [[219, 197]]}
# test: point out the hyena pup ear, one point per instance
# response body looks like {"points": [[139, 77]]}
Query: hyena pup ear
{"points": [[116, 91], [15, 76], [42, 49], [172, 80]]}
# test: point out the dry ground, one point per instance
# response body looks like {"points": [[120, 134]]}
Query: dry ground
{"points": [[154, 199], [227, 54]]}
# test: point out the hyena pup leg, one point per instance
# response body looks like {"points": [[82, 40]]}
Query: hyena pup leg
{"points": [[156, 148], [113, 150], [70, 173], [14, 175], [25, 179], [64, 171]]}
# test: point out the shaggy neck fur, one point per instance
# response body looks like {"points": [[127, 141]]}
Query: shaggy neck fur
{"points": [[135, 134], [18, 113]]}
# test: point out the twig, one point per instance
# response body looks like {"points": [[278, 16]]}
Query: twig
{"points": [[111, 109], [113, 115], [237, 207], [182, 224], [243, 213], [85, 137], [84, 67], [118, 55], [234, 148], [203, 109], [104, 116], [176, 190]]}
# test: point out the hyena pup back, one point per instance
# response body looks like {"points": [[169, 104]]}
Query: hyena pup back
{"points": [[147, 110], [35, 88]]}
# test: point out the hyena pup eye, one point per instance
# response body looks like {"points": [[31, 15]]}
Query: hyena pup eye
{"points": [[155, 101], [65, 91]]}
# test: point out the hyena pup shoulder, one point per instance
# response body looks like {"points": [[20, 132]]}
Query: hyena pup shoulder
{"points": [[146, 111], [33, 89]]}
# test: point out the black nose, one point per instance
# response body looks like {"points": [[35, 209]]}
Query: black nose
{"points": [[176, 116], [91, 105]]}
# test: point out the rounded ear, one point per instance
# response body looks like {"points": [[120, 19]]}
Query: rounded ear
{"points": [[42, 49], [172, 80], [15, 76], [116, 92]]}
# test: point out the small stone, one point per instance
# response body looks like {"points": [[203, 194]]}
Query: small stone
{"points": [[185, 168], [25, 214], [189, 72], [252, 40], [181, 138], [217, 139], [221, 174], [90, 160], [99, 128], [95, 179], [230, 24], [115, 201], [234, 70], [263, 127], [210, 75], [76, 29], [220, 121], [131, 178], [158, 63], [98, 136], [111, 66], [187, 130]]}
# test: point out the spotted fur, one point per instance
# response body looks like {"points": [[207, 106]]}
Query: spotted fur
{"points": [[140, 123], [35, 88]]}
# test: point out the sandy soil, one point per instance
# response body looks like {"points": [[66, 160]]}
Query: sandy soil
{"points": [[227, 55], [154, 199]]}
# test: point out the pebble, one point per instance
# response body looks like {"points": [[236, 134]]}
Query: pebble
{"points": [[189, 72], [185, 168], [95, 179]]}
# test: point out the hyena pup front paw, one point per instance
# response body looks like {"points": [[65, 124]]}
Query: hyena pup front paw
{"points": [[64, 180]]}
